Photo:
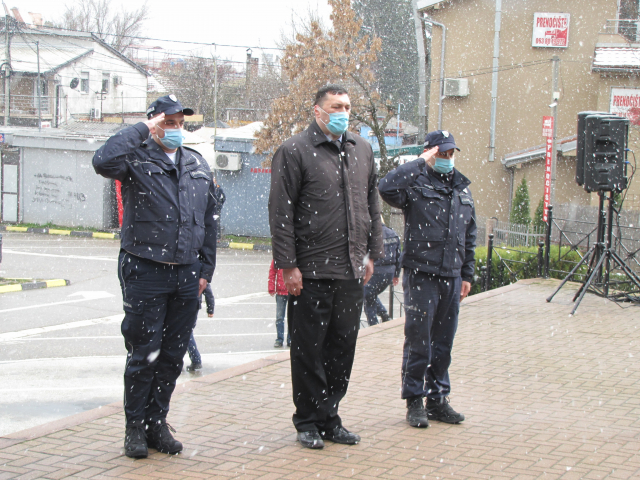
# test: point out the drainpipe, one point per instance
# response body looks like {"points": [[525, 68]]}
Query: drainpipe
{"points": [[422, 70], [494, 81], [444, 43]]}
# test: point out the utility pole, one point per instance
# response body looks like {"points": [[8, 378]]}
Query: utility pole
{"points": [[7, 67], [422, 72], [38, 88], [215, 96], [555, 96]]}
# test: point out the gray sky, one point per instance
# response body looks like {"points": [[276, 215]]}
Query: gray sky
{"points": [[236, 22]]}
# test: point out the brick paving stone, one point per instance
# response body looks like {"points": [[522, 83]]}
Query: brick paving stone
{"points": [[542, 392]]}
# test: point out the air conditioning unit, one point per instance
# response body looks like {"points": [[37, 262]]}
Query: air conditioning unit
{"points": [[228, 161], [456, 87], [117, 80]]}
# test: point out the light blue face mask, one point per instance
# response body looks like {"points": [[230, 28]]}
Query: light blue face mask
{"points": [[443, 165], [173, 137], [338, 122]]}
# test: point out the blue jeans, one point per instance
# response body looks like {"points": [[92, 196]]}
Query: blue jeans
{"points": [[372, 304], [281, 306], [192, 348]]}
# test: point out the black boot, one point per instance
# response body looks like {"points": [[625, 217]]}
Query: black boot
{"points": [[385, 317], [135, 442], [159, 437], [439, 409], [416, 414]]}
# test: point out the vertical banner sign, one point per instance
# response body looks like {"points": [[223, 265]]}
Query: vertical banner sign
{"points": [[547, 132], [550, 30]]}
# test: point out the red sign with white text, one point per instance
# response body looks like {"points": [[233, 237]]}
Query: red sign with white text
{"points": [[547, 131]]}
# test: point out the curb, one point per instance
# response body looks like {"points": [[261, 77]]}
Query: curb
{"points": [[55, 231], [34, 285], [116, 236]]}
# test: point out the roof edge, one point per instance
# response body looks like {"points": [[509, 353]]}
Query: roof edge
{"points": [[69, 62], [120, 55]]}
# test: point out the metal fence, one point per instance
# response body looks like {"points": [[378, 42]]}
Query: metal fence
{"points": [[27, 104], [570, 238], [514, 235], [628, 28]]}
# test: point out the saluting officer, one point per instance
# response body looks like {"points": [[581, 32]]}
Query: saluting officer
{"points": [[167, 256], [438, 261]]}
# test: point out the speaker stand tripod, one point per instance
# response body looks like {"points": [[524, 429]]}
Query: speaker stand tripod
{"points": [[602, 257]]}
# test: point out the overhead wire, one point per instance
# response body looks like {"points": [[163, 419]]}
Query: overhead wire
{"points": [[210, 44]]}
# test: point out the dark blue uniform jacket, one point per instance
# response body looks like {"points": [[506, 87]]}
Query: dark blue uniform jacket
{"points": [[391, 261], [168, 209], [440, 219]]}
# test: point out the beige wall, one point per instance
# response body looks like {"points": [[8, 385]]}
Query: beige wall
{"points": [[524, 94], [567, 190]]}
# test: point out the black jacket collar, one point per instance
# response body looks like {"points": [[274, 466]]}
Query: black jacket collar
{"points": [[317, 136], [156, 152], [457, 180]]}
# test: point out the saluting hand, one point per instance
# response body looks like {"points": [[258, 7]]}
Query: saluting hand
{"points": [[429, 154], [152, 122]]}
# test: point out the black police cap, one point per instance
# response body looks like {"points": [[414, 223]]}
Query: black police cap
{"points": [[169, 104]]}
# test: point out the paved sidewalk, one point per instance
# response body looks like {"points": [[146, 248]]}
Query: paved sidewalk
{"points": [[546, 395]]}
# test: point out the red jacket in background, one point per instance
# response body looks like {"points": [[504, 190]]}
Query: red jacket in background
{"points": [[280, 289]]}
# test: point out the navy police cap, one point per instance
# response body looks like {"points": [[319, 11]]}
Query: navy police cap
{"points": [[168, 105], [441, 138]]}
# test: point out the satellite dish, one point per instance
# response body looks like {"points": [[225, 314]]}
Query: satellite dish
{"points": [[74, 82]]}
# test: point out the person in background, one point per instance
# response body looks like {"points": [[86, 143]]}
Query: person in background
{"points": [[279, 289], [386, 271], [194, 354]]}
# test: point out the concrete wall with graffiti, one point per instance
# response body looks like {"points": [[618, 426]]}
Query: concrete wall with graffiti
{"points": [[59, 185]]}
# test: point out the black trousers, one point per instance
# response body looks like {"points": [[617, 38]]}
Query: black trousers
{"points": [[324, 321], [161, 305], [431, 307]]}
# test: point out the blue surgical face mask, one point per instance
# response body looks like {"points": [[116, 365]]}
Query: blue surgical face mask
{"points": [[443, 165], [338, 122], [173, 137]]}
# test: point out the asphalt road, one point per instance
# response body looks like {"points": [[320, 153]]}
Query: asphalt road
{"points": [[61, 350]]}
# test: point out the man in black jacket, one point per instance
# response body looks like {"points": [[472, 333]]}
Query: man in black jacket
{"points": [[438, 261], [167, 256], [325, 227]]}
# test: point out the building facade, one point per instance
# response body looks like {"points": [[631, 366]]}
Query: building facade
{"points": [[495, 84], [81, 78]]}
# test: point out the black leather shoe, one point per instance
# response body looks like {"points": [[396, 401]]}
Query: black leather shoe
{"points": [[385, 317], [341, 435], [135, 443], [310, 439], [441, 411], [416, 414], [159, 437], [194, 366]]}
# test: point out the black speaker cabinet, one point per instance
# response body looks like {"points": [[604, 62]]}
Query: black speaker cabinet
{"points": [[604, 149], [582, 120]]}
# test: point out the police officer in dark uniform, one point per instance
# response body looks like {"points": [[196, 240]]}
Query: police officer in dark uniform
{"points": [[386, 272], [167, 256], [438, 261]]}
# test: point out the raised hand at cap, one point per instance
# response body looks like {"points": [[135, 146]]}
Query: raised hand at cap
{"points": [[152, 122], [429, 154]]}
